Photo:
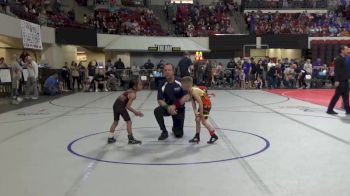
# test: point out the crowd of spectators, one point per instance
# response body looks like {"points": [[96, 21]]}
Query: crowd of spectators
{"points": [[188, 19], [201, 20], [285, 4], [248, 73], [241, 73], [330, 24], [98, 77], [16, 65], [125, 21], [343, 8], [43, 12], [77, 76]]}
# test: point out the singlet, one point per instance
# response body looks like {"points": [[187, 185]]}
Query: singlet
{"points": [[203, 94], [123, 99], [198, 91]]}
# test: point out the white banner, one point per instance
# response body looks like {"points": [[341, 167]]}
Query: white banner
{"points": [[5, 75], [31, 35]]}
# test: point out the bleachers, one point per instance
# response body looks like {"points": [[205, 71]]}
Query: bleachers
{"points": [[126, 21], [195, 20], [315, 25], [285, 4]]}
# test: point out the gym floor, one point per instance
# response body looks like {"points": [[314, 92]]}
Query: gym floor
{"points": [[269, 144]]}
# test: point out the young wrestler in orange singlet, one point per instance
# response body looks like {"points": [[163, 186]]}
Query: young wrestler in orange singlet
{"points": [[201, 98]]}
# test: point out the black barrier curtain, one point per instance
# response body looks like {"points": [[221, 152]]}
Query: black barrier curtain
{"points": [[234, 42], [290, 41], [76, 36], [284, 4], [230, 42]]}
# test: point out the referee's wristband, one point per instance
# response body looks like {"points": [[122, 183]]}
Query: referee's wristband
{"points": [[166, 106], [177, 104]]}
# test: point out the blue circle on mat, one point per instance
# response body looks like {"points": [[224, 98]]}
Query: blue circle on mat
{"points": [[266, 146]]}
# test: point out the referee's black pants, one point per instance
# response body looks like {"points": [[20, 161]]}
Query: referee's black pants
{"points": [[341, 90], [178, 120]]}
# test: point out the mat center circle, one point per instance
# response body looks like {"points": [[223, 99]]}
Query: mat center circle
{"points": [[232, 145]]}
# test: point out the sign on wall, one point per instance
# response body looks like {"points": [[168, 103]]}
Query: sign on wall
{"points": [[164, 48], [5, 75], [31, 35]]}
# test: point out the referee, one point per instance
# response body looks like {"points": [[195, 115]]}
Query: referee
{"points": [[341, 82], [168, 93]]}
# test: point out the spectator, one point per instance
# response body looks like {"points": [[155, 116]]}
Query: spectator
{"points": [[218, 74], [100, 81], [265, 69], [2, 63], [301, 74], [148, 65], [75, 75], [231, 64], [91, 75], [119, 64], [3, 5], [208, 73], [259, 70], [279, 75], [112, 83], [65, 74], [23, 57], [33, 73], [258, 82], [52, 85], [241, 77], [161, 64], [82, 75], [270, 64], [91, 69], [109, 66], [289, 77], [252, 74], [16, 75], [247, 68], [199, 72], [184, 66], [308, 67], [271, 76]]}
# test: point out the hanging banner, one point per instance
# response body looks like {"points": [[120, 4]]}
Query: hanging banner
{"points": [[31, 35]]}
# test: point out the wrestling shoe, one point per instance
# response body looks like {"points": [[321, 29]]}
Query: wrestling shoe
{"points": [[163, 136], [111, 140], [213, 139], [132, 140], [196, 139]]}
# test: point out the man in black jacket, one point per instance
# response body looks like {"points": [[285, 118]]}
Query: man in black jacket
{"points": [[119, 64], [341, 82], [184, 65]]}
